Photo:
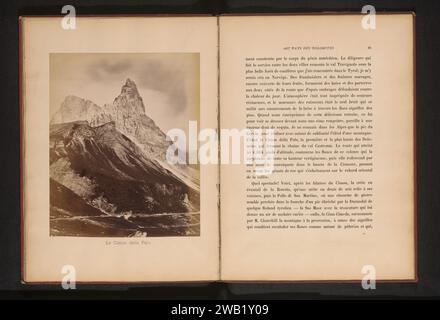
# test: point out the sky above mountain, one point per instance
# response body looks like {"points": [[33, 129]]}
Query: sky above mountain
{"points": [[167, 82]]}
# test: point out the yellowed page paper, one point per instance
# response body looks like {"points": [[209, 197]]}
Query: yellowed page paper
{"points": [[99, 195], [339, 204]]}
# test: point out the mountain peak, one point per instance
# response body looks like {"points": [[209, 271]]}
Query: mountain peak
{"points": [[129, 102], [72, 97], [130, 82]]}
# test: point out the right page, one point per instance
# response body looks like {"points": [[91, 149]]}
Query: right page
{"points": [[336, 95]]}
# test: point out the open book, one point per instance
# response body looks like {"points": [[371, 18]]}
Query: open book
{"points": [[134, 164]]}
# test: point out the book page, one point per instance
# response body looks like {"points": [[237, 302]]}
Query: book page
{"points": [[101, 201], [337, 100]]}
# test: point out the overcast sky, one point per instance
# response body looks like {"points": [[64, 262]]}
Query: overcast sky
{"points": [[167, 82]]}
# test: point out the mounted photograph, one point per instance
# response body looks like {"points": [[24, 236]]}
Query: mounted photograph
{"points": [[109, 114]]}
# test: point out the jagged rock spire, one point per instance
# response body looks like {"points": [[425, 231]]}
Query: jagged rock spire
{"points": [[130, 89]]}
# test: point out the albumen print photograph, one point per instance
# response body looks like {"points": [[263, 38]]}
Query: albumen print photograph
{"points": [[109, 115]]}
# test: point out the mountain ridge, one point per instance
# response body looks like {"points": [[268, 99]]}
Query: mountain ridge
{"points": [[110, 165]]}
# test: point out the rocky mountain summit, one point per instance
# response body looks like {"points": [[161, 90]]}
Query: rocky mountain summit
{"points": [[128, 113]]}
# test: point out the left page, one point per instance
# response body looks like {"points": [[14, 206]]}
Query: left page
{"points": [[101, 199]]}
